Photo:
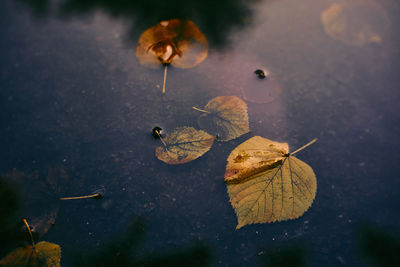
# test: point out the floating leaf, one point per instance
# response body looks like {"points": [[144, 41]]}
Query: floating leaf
{"points": [[267, 184], [42, 254], [225, 117], [176, 42], [184, 144], [356, 22]]}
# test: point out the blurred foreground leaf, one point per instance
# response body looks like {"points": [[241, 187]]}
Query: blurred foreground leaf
{"points": [[356, 22], [267, 184]]}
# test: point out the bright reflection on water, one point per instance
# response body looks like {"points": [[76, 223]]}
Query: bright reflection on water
{"points": [[74, 96]]}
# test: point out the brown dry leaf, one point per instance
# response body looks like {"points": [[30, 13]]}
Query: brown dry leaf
{"points": [[176, 42], [356, 22], [226, 117], [266, 184], [43, 254], [184, 144]]}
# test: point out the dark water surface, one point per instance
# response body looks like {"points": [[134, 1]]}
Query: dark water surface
{"points": [[74, 97]]}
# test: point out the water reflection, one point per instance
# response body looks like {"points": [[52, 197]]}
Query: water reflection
{"points": [[216, 18]]}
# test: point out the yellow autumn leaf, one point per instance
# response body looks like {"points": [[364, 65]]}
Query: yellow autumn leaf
{"points": [[355, 23], [266, 183], [225, 116], [184, 144]]}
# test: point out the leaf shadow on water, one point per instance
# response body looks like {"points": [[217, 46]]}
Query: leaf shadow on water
{"points": [[9, 227], [216, 19], [125, 249], [379, 247], [292, 255]]}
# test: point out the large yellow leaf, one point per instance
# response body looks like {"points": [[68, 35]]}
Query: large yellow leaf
{"points": [[266, 183], [225, 117], [43, 254], [184, 144]]}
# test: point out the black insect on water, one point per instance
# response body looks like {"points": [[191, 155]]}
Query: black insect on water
{"points": [[157, 132], [260, 73]]}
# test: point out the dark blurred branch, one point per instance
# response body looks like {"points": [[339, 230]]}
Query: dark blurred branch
{"points": [[215, 18], [380, 247]]}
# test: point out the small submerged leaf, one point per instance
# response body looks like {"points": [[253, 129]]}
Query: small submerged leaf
{"points": [[43, 254], [225, 117], [356, 22], [266, 184], [184, 144], [176, 42], [49, 188], [42, 223]]}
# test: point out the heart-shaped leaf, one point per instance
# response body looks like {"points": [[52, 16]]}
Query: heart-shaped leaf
{"points": [[183, 145], [226, 117], [266, 183]]}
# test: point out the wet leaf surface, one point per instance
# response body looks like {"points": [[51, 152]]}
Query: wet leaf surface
{"points": [[225, 117], [183, 145], [266, 184], [43, 254]]}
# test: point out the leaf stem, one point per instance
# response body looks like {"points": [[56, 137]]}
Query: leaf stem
{"points": [[162, 140], [201, 110], [165, 79], [81, 197], [159, 136], [30, 233], [306, 145]]}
